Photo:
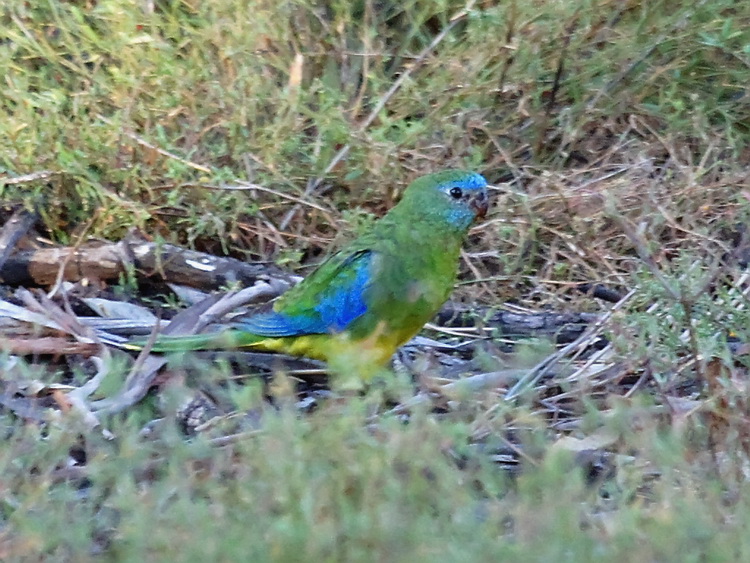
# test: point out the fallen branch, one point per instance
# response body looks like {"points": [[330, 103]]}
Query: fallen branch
{"points": [[47, 345], [109, 261], [560, 327]]}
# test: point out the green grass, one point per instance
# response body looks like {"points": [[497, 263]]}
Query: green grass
{"points": [[327, 488], [625, 126]]}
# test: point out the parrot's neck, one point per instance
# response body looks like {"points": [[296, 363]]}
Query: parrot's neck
{"points": [[426, 226], [427, 237]]}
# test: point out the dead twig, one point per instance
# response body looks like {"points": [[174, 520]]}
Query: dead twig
{"points": [[47, 345], [543, 367], [472, 384], [189, 321], [143, 142]]}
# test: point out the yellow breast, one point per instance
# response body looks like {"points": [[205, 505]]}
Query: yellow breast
{"points": [[350, 360]]}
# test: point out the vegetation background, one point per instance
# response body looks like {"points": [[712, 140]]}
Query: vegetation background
{"points": [[616, 134]]}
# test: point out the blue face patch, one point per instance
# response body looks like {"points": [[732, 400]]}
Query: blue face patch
{"points": [[471, 181], [460, 190]]}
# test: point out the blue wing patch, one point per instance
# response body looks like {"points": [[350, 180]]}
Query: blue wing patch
{"points": [[341, 302], [275, 325], [344, 300]]}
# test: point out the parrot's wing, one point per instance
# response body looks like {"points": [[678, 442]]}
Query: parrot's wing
{"points": [[327, 301]]}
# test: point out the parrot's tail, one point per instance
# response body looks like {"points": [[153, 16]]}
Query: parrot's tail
{"points": [[226, 339]]}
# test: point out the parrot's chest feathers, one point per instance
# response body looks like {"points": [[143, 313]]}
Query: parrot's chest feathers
{"points": [[430, 275], [428, 291]]}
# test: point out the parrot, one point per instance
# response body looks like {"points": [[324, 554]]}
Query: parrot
{"points": [[372, 296]]}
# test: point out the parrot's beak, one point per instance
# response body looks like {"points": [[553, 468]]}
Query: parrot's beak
{"points": [[480, 203]]}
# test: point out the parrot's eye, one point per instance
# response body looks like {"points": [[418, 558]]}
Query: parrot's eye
{"points": [[456, 193]]}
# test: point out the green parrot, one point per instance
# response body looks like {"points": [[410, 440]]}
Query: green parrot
{"points": [[360, 305]]}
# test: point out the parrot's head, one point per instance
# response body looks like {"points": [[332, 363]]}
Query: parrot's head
{"points": [[455, 197]]}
